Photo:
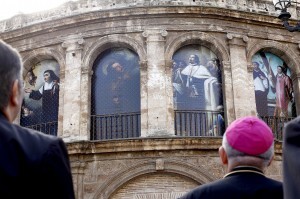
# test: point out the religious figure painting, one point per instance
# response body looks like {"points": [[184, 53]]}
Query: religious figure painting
{"points": [[41, 100], [116, 82], [273, 86], [197, 79]]}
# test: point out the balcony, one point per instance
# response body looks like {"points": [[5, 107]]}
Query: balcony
{"points": [[277, 124], [187, 124], [199, 123], [49, 128], [115, 126]]}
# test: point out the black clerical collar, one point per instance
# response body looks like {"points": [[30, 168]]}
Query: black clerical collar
{"points": [[245, 169]]}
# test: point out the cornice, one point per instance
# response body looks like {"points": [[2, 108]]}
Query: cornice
{"points": [[85, 6], [141, 13], [149, 144]]}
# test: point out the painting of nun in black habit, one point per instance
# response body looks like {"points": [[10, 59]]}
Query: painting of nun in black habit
{"points": [[44, 100]]}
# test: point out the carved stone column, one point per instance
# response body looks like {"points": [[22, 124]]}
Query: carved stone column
{"points": [[78, 170], [296, 86], [251, 91], [158, 105], [228, 92], [72, 106], [144, 97], [240, 77]]}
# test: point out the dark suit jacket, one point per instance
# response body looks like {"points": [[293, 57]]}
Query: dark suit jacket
{"points": [[32, 165], [291, 161], [239, 185]]}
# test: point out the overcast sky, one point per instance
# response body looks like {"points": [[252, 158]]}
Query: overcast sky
{"points": [[10, 8]]}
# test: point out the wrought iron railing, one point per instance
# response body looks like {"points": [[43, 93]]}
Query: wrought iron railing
{"points": [[276, 124], [199, 123], [115, 126], [211, 123], [49, 128]]}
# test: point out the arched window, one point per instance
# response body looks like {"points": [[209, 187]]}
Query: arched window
{"points": [[115, 96], [274, 93], [273, 86], [197, 91], [41, 100]]}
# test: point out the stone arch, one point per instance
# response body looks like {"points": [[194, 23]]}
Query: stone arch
{"points": [[196, 173], [281, 50], [209, 41], [111, 41], [39, 55], [197, 38], [36, 56], [94, 49], [286, 53]]}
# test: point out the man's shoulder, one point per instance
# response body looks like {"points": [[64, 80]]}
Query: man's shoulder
{"points": [[30, 141], [35, 137], [224, 188], [205, 191]]}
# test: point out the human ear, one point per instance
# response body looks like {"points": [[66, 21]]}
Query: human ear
{"points": [[271, 160], [15, 100], [15, 94], [223, 155]]}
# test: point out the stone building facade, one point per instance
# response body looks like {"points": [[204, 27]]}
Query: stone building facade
{"points": [[158, 163]]}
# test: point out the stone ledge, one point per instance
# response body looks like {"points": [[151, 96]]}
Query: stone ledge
{"points": [[150, 144], [85, 6]]}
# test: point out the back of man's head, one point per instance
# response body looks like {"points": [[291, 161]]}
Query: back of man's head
{"points": [[10, 70], [249, 137]]}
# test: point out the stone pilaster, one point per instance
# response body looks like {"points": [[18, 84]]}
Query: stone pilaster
{"points": [[251, 91], [72, 106], [78, 169], [296, 86], [228, 94], [144, 97], [240, 77], [159, 119]]}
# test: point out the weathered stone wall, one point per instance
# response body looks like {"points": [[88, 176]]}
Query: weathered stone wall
{"points": [[84, 6], [233, 30], [150, 167]]}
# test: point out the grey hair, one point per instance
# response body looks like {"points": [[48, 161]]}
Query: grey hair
{"points": [[233, 153], [10, 70]]}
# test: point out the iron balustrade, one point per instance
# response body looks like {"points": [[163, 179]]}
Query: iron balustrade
{"points": [[207, 123], [199, 123], [115, 126], [49, 128], [276, 124]]}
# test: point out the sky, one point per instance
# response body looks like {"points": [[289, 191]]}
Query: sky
{"points": [[10, 8]]}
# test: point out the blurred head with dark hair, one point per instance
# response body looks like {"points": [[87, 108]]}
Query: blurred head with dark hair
{"points": [[10, 81]]}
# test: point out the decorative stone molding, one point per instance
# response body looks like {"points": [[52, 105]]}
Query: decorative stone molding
{"points": [[197, 173], [236, 39], [38, 55], [283, 50], [250, 67], [85, 70], [73, 43], [226, 65], [169, 64], [78, 167], [160, 164], [85, 6], [159, 195], [231, 36], [155, 35], [143, 65], [100, 45], [213, 43]]}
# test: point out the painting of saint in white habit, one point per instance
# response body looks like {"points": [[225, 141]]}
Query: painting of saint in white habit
{"points": [[197, 79]]}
